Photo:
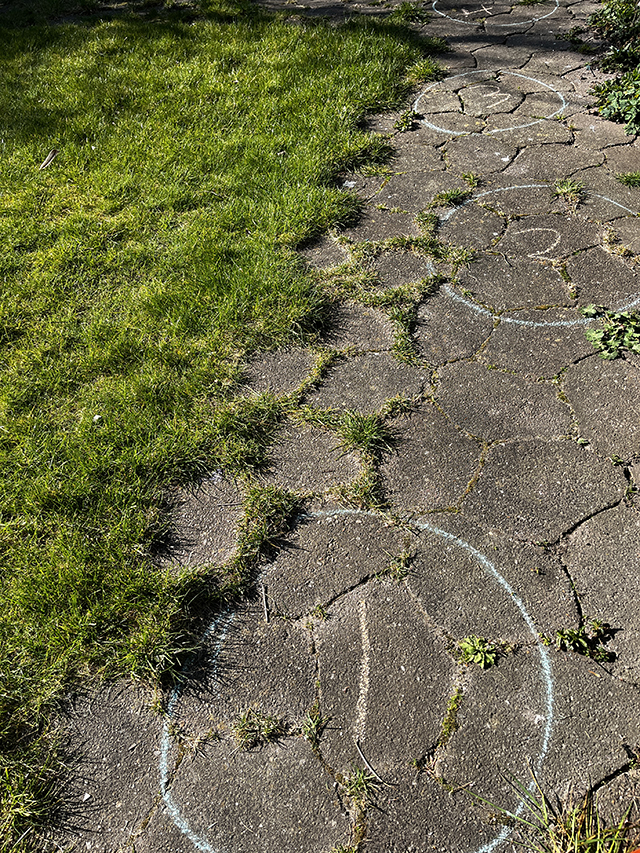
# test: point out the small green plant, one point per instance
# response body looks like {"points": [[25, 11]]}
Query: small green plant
{"points": [[470, 178], [585, 640], [478, 650], [361, 787], [545, 827], [312, 726], [409, 13], [252, 728], [629, 179], [569, 190], [449, 198], [620, 332], [427, 222], [406, 121], [366, 433], [398, 568]]}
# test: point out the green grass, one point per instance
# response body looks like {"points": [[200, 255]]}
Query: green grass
{"points": [[197, 148], [629, 179]]}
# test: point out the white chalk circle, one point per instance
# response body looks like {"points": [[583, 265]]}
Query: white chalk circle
{"points": [[482, 10], [562, 104], [632, 301], [218, 628]]}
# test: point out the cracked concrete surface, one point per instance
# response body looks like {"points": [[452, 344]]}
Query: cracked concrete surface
{"points": [[505, 504]]}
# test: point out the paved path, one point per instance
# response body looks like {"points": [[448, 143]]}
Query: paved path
{"points": [[511, 510]]}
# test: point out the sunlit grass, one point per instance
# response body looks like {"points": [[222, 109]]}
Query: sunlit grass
{"points": [[136, 270]]}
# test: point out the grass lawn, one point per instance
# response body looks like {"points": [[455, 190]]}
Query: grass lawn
{"points": [[197, 148]]}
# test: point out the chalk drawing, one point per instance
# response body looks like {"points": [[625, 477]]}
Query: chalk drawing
{"points": [[361, 707], [498, 73], [631, 301], [220, 626], [434, 6]]}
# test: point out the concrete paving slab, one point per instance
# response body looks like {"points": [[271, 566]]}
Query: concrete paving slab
{"points": [[280, 371], [507, 284], [411, 156], [111, 780], [479, 154], [365, 382], [516, 197], [432, 463], [379, 224], [472, 226], [537, 343], [354, 325], [624, 158], [605, 395], [495, 405], [603, 560], [246, 663], [549, 237], [595, 717], [414, 191], [203, 525], [324, 254], [385, 678], [277, 800], [602, 278], [551, 162], [628, 233], [397, 268], [591, 131], [525, 130], [329, 553], [307, 459], [447, 329], [539, 490], [465, 576]]}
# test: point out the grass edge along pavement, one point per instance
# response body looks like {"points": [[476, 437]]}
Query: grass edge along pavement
{"points": [[129, 269]]}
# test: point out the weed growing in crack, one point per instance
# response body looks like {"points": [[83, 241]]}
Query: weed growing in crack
{"points": [[586, 640], [547, 827], [450, 721], [399, 567], [312, 726], [361, 787], [478, 650], [472, 180], [570, 191], [629, 179], [252, 728], [366, 433], [406, 121], [427, 222], [449, 198], [620, 332]]}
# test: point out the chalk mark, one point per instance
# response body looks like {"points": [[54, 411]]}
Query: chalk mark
{"points": [[361, 706], [631, 302], [434, 6], [424, 121]]}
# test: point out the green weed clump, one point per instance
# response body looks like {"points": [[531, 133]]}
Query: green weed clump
{"points": [[196, 148], [620, 331], [617, 22]]}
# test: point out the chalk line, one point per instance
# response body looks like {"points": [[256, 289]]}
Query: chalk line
{"points": [[361, 707], [222, 621], [497, 72], [434, 6]]}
